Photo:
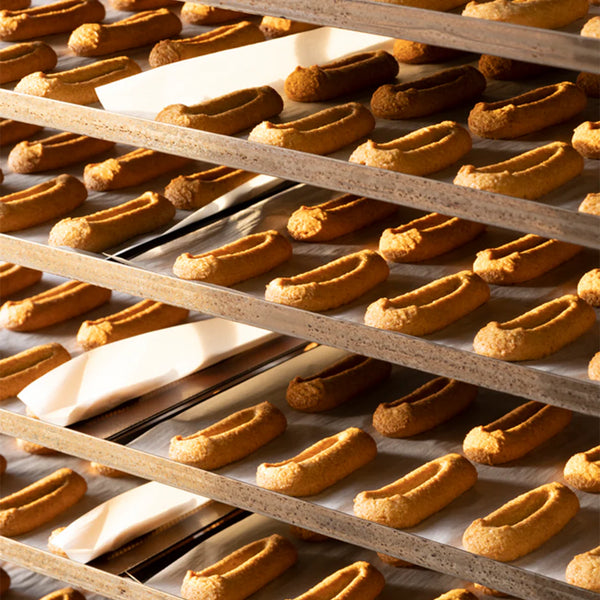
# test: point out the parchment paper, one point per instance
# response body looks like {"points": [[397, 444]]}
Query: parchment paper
{"points": [[506, 301], [396, 457]]}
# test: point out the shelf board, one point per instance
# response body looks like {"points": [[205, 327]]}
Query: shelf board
{"points": [[407, 190], [512, 378], [348, 528], [557, 48]]}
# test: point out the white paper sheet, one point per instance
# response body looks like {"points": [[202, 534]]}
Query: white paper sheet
{"points": [[198, 79], [104, 377], [123, 518]]}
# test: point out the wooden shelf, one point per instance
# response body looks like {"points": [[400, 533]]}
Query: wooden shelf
{"points": [[330, 173]]}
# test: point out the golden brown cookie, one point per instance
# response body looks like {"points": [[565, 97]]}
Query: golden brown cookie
{"points": [[588, 287], [306, 535], [321, 133], [64, 594], [14, 278], [586, 139], [135, 5], [319, 83], [522, 259], [418, 53], [433, 403], [582, 470], [420, 152], [274, 27], [135, 167], [15, 131], [112, 226], [319, 466], [594, 367], [538, 332], [331, 285], [430, 307], [529, 175], [221, 38], [19, 370], [508, 69], [40, 502], [418, 494], [248, 257], [19, 60], [590, 204], [140, 29], [515, 434], [40, 203], [428, 95], [523, 524], [106, 471], [226, 114], [426, 237], [139, 318], [78, 85], [56, 151], [336, 217], [583, 570], [203, 14], [548, 14], [53, 17], [529, 112], [52, 306], [589, 83], [358, 581], [336, 384], [230, 439], [241, 573]]}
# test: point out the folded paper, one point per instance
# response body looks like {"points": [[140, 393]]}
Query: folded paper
{"points": [[123, 518], [104, 377]]}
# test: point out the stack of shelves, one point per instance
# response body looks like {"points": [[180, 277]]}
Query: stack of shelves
{"points": [[557, 218]]}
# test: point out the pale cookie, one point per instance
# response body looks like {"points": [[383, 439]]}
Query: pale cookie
{"points": [[57, 151], [336, 384], [230, 439], [190, 192], [523, 524], [590, 204], [14, 278], [428, 95], [538, 332], [426, 237], [419, 494], [53, 17], [135, 167], [141, 29], [19, 370], [588, 287], [336, 217], [40, 502], [529, 175], [52, 306], [137, 319], [358, 581], [522, 259], [321, 133], [241, 573], [428, 406], [420, 152], [430, 307], [339, 282], [228, 114], [221, 38], [586, 139], [582, 470], [548, 14], [354, 73], [319, 466], [247, 257], [40, 203], [529, 112], [515, 434], [19, 60], [78, 85], [584, 570], [113, 226]]}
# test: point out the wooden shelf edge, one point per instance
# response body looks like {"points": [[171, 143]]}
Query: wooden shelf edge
{"points": [[545, 46], [348, 528], [407, 190], [413, 352]]}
